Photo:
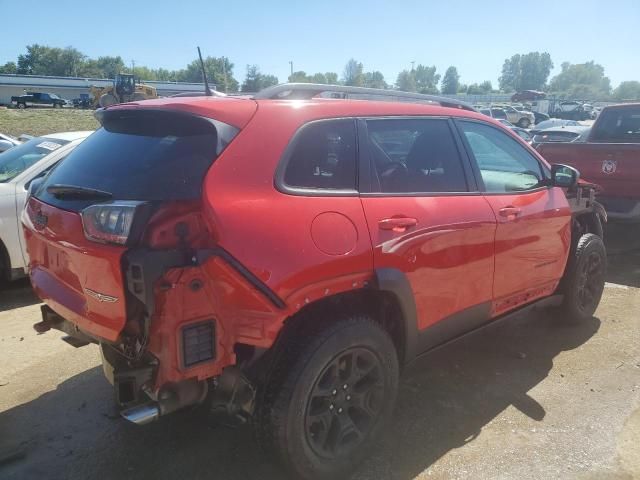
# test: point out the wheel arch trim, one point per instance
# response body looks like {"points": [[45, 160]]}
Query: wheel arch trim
{"points": [[395, 282]]}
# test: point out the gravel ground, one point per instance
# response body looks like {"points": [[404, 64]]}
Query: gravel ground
{"points": [[527, 399]]}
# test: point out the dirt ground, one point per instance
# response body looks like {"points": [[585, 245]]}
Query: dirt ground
{"points": [[527, 399]]}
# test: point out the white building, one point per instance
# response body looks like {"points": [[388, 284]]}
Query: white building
{"points": [[71, 87]]}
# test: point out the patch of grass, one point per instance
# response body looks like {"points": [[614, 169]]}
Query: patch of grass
{"points": [[36, 122]]}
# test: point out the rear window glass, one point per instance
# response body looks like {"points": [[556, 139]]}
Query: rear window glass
{"points": [[618, 125], [151, 156], [323, 157], [16, 160]]}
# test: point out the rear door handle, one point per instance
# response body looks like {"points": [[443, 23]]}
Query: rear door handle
{"points": [[510, 212], [397, 224]]}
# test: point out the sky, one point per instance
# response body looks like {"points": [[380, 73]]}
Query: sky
{"points": [[474, 35]]}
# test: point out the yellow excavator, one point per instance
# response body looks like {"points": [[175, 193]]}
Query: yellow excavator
{"points": [[125, 88]]}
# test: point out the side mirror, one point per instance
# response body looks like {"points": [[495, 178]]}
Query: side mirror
{"points": [[564, 176]]}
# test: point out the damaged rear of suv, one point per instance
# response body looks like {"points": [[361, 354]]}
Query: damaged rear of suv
{"points": [[106, 225], [279, 258]]}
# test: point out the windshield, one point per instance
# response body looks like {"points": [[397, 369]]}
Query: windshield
{"points": [[53, 95], [16, 160]]}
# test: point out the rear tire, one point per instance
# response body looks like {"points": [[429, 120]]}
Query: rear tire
{"points": [[583, 283], [328, 397]]}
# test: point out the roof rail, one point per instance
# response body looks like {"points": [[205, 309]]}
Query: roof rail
{"points": [[307, 91]]}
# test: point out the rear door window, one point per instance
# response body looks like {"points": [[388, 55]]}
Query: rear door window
{"points": [[415, 156], [142, 155]]}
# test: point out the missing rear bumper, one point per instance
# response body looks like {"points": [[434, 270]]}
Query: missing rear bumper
{"points": [[51, 320]]}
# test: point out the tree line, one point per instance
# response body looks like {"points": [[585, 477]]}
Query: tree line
{"points": [[529, 71]]}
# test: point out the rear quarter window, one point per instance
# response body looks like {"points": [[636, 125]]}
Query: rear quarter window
{"points": [[321, 156]]}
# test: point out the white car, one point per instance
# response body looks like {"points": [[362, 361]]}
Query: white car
{"points": [[7, 142], [18, 167]]}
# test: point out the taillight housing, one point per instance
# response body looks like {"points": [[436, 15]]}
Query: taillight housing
{"points": [[110, 222]]}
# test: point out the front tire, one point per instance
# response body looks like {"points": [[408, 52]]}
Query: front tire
{"points": [[22, 106], [328, 398], [584, 279]]}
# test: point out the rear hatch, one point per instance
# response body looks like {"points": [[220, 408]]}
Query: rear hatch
{"points": [[92, 207]]}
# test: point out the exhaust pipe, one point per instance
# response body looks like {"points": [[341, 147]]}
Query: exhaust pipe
{"points": [[142, 414], [170, 398]]}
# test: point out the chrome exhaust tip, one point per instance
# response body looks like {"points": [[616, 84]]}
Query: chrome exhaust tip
{"points": [[141, 414]]}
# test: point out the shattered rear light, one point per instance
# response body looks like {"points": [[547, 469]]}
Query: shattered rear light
{"points": [[109, 223]]}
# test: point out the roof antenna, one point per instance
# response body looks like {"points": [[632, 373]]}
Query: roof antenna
{"points": [[207, 90]]}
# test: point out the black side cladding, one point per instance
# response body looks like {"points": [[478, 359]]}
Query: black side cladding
{"points": [[144, 267]]}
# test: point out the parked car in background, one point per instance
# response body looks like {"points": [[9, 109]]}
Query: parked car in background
{"points": [[18, 167], [561, 134], [84, 101], [552, 123], [527, 96], [37, 99], [522, 133], [7, 142], [609, 157], [572, 110], [168, 258], [521, 118], [539, 117], [494, 112]]}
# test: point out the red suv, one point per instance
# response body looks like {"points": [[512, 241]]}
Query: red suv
{"points": [[280, 258]]}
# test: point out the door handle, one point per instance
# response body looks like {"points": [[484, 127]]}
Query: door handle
{"points": [[509, 211], [397, 224]]}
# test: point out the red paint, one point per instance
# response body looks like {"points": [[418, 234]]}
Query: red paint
{"points": [[447, 255], [64, 263], [532, 245], [457, 251], [334, 234], [612, 165]]}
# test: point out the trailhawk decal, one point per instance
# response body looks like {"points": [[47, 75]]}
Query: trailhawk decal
{"points": [[609, 166], [101, 297]]}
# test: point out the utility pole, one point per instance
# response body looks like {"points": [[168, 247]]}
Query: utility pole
{"points": [[291, 65], [133, 67], [224, 72]]}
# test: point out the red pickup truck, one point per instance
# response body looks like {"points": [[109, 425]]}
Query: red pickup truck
{"points": [[610, 158]]}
